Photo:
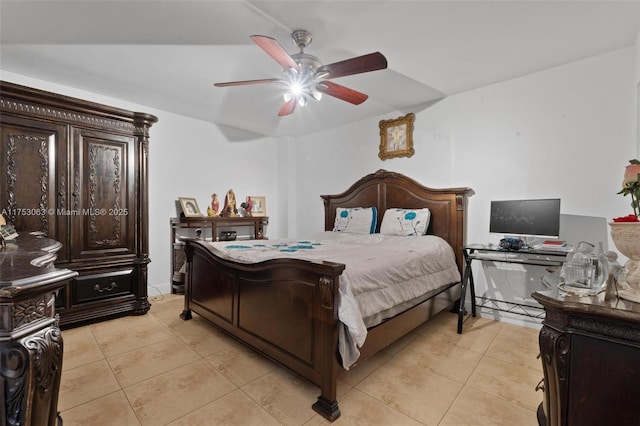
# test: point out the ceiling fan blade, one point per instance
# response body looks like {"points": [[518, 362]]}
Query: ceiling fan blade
{"points": [[288, 107], [247, 82], [360, 64], [341, 92], [275, 50]]}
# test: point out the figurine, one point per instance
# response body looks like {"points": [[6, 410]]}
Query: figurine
{"points": [[229, 209], [245, 208], [611, 288], [249, 206], [215, 205], [614, 265]]}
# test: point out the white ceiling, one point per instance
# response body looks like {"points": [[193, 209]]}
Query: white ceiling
{"points": [[167, 54]]}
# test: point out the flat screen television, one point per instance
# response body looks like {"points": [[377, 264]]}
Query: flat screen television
{"points": [[539, 218]]}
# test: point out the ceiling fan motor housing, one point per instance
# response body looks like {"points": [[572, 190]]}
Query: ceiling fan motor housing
{"points": [[308, 63]]}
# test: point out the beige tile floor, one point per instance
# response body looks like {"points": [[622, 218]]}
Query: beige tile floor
{"points": [[156, 369]]}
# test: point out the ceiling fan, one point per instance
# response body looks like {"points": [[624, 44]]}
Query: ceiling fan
{"points": [[306, 78]]}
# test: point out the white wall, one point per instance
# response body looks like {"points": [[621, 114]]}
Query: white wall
{"points": [[565, 132], [190, 158]]}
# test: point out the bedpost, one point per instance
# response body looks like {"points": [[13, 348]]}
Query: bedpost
{"points": [[327, 403], [186, 312], [460, 228]]}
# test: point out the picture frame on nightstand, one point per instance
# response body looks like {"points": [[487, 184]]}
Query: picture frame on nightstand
{"points": [[259, 206], [189, 207]]}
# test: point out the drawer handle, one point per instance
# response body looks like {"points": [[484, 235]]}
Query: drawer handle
{"points": [[108, 288], [540, 385]]}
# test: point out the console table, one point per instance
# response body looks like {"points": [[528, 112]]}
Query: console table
{"points": [[490, 252], [30, 339], [590, 352], [210, 228]]}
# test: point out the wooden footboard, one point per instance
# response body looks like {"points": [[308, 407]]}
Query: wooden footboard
{"points": [[284, 308]]}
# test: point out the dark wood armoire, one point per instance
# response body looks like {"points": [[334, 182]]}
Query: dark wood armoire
{"points": [[77, 172]]}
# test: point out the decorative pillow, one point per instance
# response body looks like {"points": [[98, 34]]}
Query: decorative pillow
{"points": [[357, 220], [405, 222]]}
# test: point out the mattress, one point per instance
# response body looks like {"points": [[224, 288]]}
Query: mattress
{"points": [[384, 274]]}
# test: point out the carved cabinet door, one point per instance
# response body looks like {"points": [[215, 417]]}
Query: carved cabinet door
{"points": [[34, 182], [104, 194]]}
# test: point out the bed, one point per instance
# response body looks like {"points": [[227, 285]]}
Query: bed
{"points": [[287, 308]]}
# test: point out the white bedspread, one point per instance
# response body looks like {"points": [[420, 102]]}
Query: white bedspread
{"points": [[382, 271]]}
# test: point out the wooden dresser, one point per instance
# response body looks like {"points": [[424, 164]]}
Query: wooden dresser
{"points": [[77, 172], [30, 340], [590, 351]]}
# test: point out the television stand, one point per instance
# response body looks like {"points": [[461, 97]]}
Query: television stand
{"points": [[491, 252]]}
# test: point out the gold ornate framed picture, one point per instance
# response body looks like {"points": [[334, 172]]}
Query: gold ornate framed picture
{"points": [[189, 207], [259, 206], [396, 137]]}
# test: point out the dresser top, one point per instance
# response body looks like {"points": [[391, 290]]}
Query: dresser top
{"points": [[614, 308], [28, 260]]}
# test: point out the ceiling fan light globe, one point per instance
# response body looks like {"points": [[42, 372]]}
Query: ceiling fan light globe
{"points": [[287, 96], [296, 88]]}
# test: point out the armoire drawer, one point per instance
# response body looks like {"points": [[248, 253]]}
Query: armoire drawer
{"points": [[89, 288]]}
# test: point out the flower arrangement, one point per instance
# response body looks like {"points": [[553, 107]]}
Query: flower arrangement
{"points": [[631, 186]]}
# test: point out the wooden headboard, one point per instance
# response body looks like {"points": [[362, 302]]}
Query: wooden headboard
{"points": [[384, 190]]}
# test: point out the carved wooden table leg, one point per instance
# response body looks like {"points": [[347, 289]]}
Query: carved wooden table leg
{"points": [[30, 375]]}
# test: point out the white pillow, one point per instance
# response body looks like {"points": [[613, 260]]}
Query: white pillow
{"points": [[405, 222], [357, 220]]}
